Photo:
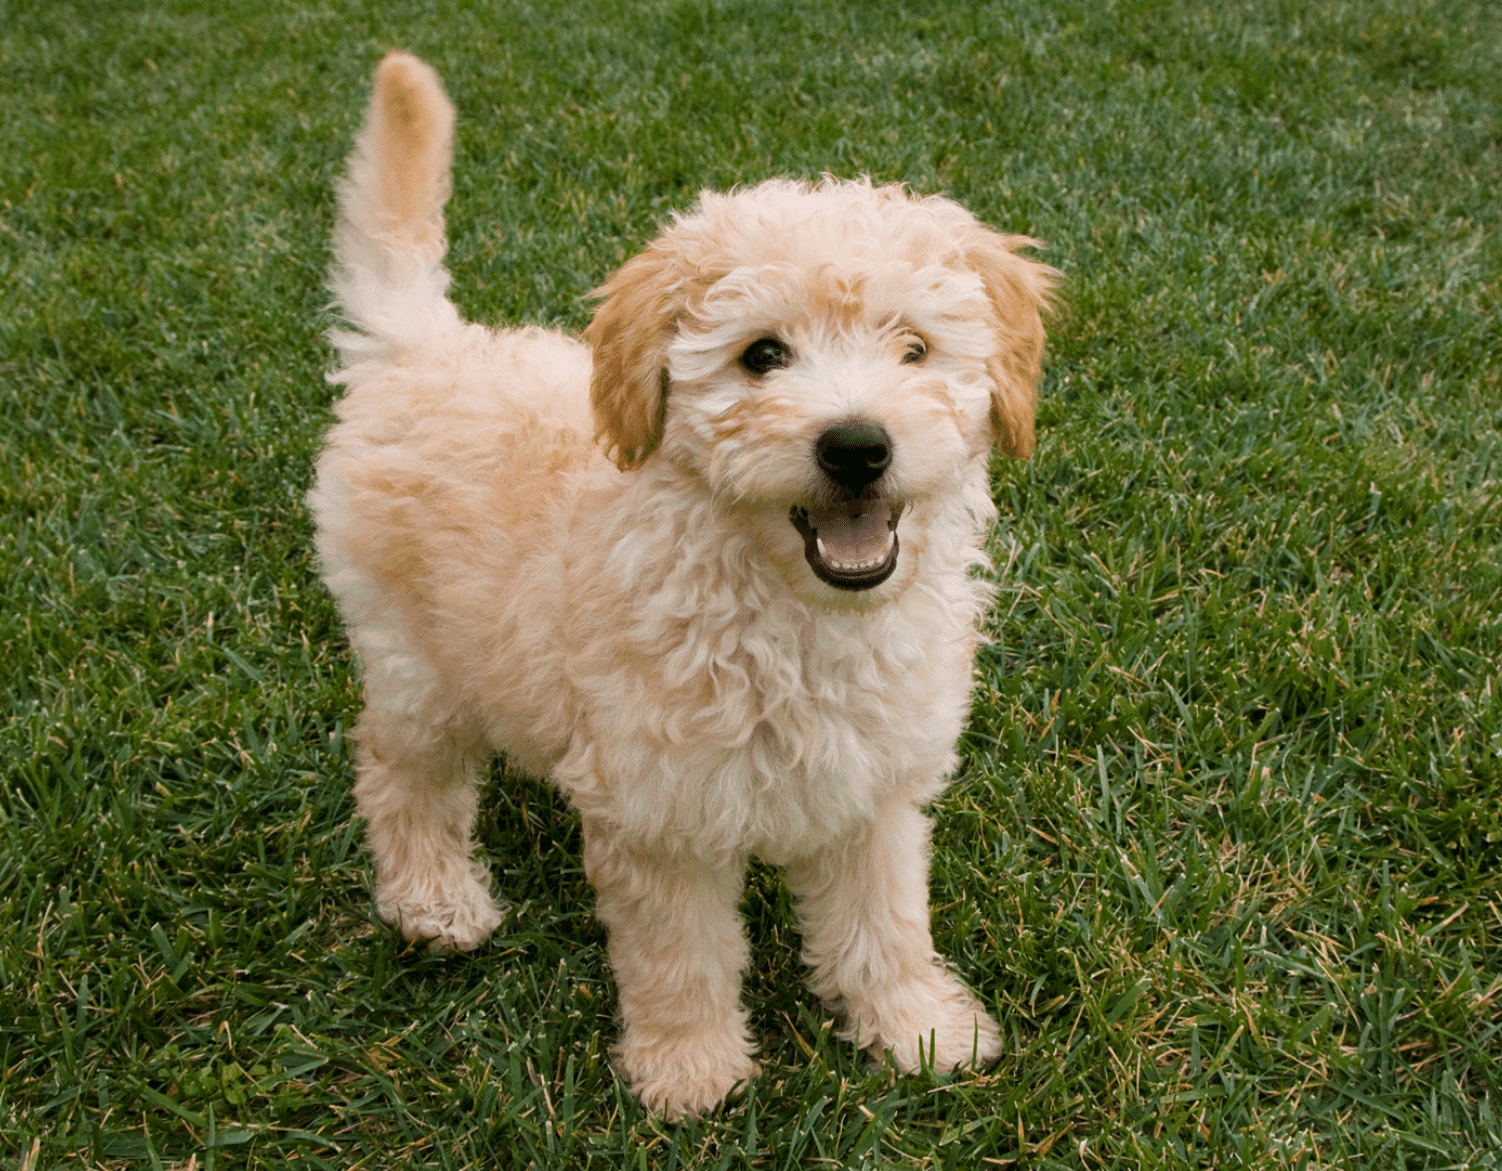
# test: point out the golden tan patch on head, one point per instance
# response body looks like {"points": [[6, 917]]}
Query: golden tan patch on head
{"points": [[837, 298]]}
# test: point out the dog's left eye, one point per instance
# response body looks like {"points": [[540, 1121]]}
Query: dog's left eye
{"points": [[914, 352], [765, 354]]}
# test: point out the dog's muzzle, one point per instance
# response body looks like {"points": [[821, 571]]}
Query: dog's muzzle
{"points": [[852, 544]]}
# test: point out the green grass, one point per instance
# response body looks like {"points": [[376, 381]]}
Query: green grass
{"points": [[1224, 850]]}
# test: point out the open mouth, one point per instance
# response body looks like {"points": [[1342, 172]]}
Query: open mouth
{"points": [[852, 545]]}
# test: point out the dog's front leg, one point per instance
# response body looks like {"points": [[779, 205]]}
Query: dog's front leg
{"points": [[864, 911], [678, 950]]}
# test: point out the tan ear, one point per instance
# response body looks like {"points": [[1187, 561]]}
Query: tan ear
{"points": [[629, 337], [1018, 290]]}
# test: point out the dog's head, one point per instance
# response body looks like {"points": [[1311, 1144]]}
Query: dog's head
{"points": [[832, 359]]}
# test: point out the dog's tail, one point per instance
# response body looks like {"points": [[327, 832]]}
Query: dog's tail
{"points": [[389, 246]]}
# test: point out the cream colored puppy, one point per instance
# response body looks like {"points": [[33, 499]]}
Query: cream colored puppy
{"points": [[712, 570]]}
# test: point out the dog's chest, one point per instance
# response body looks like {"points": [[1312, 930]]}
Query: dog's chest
{"points": [[863, 723], [773, 732]]}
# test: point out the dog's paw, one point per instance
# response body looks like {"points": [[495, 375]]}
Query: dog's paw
{"points": [[454, 916], [684, 1074], [933, 1022]]}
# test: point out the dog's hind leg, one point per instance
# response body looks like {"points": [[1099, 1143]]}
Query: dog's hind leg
{"points": [[864, 911], [677, 950], [417, 793]]}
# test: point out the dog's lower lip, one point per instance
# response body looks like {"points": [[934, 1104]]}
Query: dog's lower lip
{"points": [[855, 574]]}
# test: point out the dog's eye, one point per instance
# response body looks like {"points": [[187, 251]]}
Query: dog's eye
{"points": [[914, 352], [766, 353]]}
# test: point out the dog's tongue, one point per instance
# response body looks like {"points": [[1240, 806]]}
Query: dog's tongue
{"points": [[853, 536]]}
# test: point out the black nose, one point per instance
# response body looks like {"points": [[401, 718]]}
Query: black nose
{"points": [[854, 454]]}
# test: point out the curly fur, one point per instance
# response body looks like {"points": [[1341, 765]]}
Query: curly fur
{"points": [[581, 555]]}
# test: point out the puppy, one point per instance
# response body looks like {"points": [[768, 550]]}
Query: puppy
{"points": [[713, 571]]}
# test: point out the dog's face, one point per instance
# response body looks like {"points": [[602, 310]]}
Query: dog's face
{"points": [[830, 360]]}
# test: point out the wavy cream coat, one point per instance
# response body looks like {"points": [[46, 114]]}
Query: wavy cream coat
{"points": [[580, 554]]}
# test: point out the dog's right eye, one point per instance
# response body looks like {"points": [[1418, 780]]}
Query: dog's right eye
{"points": [[766, 353]]}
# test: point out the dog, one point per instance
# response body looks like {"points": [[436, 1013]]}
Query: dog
{"points": [[717, 571]]}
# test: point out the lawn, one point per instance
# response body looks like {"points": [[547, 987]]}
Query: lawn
{"points": [[1223, 851]]}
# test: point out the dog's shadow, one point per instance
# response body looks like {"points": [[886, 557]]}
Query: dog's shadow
{"points": [[532, 842]]}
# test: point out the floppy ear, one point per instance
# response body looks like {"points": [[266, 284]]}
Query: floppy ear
{"points": [[629, 337], [1018, 290]]}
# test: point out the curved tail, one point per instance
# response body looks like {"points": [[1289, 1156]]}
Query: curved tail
{"points": [[389, 245]]}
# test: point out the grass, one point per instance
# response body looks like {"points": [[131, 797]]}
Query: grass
{"points": [[1224, 849]]}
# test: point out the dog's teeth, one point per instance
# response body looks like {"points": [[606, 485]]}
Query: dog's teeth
{"points": [[854, 564]]}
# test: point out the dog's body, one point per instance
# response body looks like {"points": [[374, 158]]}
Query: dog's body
{"points": [[741, 625]]}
